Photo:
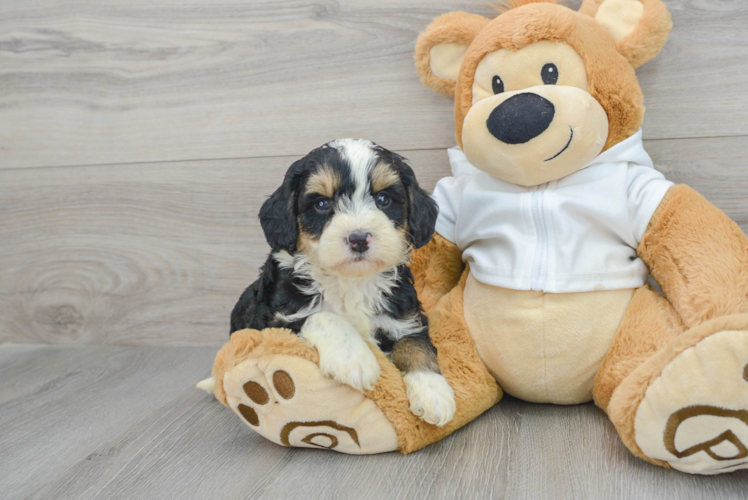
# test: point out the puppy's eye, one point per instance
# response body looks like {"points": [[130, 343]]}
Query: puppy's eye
{"points": [[322, 205], [498, 84], [383, 200], [549, 74]]}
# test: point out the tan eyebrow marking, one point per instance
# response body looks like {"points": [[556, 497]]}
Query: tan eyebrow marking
{"points": [[383, 176], [324, 181]]}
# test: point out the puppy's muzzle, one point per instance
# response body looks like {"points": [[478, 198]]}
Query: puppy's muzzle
{"points": [[520, 118], [359, 242]]}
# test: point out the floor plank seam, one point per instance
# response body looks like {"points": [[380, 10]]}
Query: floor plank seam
{"points": [[300, 154]]}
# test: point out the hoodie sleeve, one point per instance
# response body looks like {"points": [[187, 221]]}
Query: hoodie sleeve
{"points": [[448, 195], [646, 188]]}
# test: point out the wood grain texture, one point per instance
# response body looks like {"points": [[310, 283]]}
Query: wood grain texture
{"points": [[102, 82], [157, 254], [125, 422], [136, 254]]}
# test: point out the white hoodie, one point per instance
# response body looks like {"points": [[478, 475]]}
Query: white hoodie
{"points": [[575, 234]]}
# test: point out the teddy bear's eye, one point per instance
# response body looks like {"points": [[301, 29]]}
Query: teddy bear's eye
{"points": [[549, 73], [498, 84]]}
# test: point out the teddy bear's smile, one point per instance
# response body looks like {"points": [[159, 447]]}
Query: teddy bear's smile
{"points": [[571, 137]]}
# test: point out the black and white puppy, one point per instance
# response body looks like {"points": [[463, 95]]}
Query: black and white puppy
{"points": [[340, 228]]}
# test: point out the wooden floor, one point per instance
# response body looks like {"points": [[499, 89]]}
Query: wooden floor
{"points": [[110, 422], [137, 142]]}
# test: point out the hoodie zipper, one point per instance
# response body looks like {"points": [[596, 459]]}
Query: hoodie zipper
{"points": [[540, 260]]}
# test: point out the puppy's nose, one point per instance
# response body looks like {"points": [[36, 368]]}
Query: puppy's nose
{"points": [[359, 242], [520, 118]]}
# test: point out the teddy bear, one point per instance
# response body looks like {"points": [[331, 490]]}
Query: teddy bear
{"points": [[535, 282]]}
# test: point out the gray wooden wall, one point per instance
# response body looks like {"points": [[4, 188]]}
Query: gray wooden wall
{"points": [[138, 140]]}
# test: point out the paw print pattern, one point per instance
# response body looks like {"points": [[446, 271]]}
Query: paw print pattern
{"points": [[725, 447], [695, 414], [289, 401], [283, 385]]}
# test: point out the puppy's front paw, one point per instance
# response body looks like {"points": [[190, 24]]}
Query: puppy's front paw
{"points": [[351, 363], [431, 398], [343, 354]]}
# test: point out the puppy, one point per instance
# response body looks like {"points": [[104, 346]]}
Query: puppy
{"points": [[340, 228]]}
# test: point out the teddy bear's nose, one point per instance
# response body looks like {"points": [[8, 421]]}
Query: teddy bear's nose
{"points": [[520, 118]]}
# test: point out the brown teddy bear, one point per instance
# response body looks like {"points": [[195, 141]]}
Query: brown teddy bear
{"points": [[536, 279]]}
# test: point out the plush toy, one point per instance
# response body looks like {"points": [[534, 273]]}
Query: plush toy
{"points": [[535, 282]]}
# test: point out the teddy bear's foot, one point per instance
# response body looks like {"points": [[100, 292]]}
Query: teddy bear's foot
{"points": [[687, 407], [273, 381], [289, 401]]}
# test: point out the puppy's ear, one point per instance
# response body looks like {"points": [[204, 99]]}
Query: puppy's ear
{"points": [[422, 209], [278, 213]]}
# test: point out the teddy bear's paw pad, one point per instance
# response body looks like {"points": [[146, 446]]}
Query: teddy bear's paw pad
{"points": [[289, 401], [695, 415]]}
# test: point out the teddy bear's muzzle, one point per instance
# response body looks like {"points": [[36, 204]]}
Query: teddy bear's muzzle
{"points": [[534, 135]]}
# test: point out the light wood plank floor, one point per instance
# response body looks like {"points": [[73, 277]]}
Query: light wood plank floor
{"points": [[137, 141], [109, 422]]}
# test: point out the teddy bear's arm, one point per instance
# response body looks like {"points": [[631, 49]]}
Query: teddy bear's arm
{"points": [[698, 255], [436, 269]]}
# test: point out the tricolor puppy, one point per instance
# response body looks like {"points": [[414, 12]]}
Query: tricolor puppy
{"points": [[340, 228]]}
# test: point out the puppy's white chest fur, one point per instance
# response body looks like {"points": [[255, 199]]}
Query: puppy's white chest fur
{"points": [[359, 300], [356, 300]]}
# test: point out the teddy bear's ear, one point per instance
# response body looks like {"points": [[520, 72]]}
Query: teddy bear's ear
{"points": [[441, 48], [640, 27]]}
